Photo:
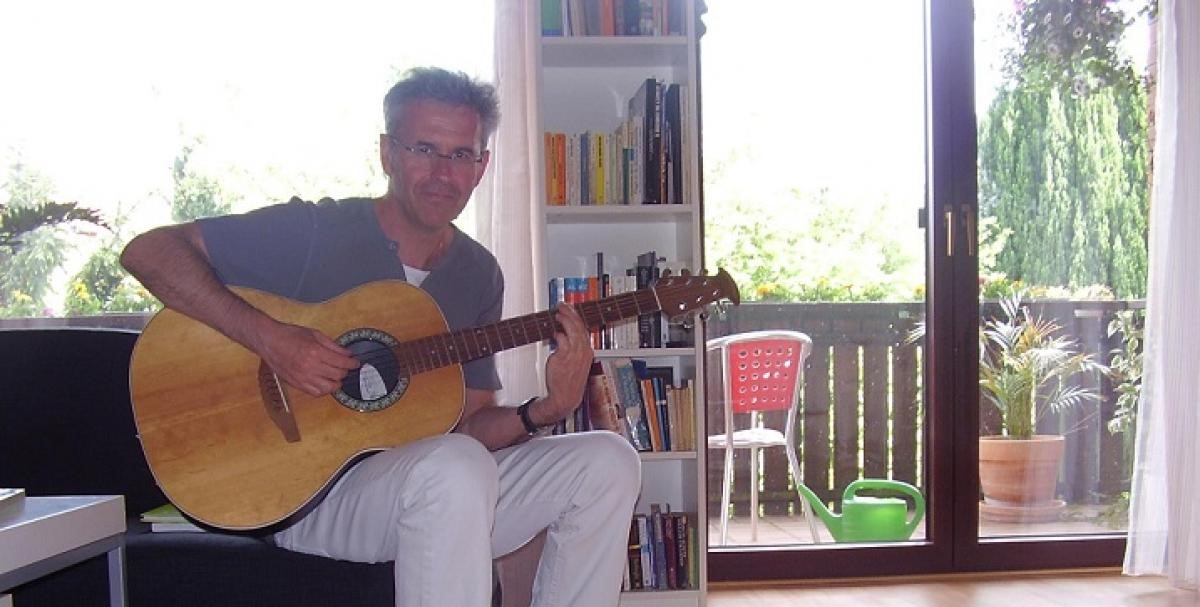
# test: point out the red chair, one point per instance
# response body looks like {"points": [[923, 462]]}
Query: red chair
{"points": [[760, 371]]}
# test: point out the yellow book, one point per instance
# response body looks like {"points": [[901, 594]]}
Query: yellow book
{"points": [[167, 518]]}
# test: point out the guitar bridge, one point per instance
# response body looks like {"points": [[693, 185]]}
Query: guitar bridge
{"points": [[275, 401]]}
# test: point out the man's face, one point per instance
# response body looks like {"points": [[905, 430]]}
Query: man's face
{"points": [[431, 161]]}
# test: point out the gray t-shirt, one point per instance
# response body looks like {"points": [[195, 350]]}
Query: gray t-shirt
{"points": [[314, 252]]}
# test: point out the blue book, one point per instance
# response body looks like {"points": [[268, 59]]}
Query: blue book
{"points": [[629, 394], [552, 22]]}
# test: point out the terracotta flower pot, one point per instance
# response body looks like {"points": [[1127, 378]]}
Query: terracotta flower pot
{"points": [[1019, 477]]}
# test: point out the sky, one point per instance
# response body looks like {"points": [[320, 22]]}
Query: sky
{"points": [[113, 90]]}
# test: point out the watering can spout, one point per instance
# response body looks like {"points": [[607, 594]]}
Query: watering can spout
{"points": [[870, 519], [833, 522]]}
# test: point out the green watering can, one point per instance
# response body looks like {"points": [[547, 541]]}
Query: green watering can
{"points": [[870, 519]]}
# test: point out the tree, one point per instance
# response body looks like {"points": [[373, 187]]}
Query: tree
{"points": [[31, 244], [195, 195], [102, 285], [1063, 153], [780, 243]]}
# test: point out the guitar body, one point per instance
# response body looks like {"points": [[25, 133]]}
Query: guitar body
{"points": [[227, 456], [236, 449]]}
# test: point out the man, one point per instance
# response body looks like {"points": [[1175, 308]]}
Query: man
{"points": [[441, 508]]}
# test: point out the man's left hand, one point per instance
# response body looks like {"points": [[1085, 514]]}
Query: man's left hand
{"points": [[566, 369]]}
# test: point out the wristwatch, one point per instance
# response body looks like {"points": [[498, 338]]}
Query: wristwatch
{"points": [[523, 412]]}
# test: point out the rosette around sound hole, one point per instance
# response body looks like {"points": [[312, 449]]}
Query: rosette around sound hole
{"points": [[380, 380]]}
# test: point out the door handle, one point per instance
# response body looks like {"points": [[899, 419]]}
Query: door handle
{"points": [[949, 232], [969, 219]]}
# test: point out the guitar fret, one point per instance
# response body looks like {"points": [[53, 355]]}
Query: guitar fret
{"points": [[433, 352], [505, 342], [487, 342], [441, 355], [454, 348], [469, 351]]}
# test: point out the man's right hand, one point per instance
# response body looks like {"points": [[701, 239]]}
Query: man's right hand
{"points": [[305, 358]]}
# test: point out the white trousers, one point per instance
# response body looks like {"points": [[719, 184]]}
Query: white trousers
{"points": [[442, 508]]}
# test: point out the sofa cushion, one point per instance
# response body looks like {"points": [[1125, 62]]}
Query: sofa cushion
{"points": [[204, 569]]}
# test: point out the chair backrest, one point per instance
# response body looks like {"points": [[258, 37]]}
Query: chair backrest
{"points": [[761, 370]]}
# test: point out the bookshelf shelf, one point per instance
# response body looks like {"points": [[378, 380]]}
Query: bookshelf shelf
{"points": [[656, 456], [614, 51], [621, 213], [662, 598], [623, 113], [644, 352]]}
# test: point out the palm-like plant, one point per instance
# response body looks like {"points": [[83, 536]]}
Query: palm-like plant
{"points": [[27, 260], [15, 221], [1025, 368]]}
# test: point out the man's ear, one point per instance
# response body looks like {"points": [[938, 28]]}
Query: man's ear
{"points": [[487, 157], [385, 153]]}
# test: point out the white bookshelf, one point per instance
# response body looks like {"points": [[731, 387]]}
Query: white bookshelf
{"points": [[585, 85]]}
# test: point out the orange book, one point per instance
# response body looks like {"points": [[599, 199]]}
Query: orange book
{"points": [[560, 168], [650, 412]]}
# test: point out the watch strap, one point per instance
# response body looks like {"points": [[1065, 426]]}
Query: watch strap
{"points": [[523, 413]]}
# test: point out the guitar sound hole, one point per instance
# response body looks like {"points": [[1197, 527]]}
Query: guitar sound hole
{"points": [[379, 381]]}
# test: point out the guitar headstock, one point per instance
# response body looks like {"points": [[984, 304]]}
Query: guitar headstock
{"points": [[681, 294]]}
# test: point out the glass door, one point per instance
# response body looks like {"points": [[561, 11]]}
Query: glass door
{"points": [[1062, 104], [880, 193], [816, 192]]}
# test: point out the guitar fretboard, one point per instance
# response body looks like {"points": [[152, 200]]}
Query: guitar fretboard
{"points": [[458, 347]]}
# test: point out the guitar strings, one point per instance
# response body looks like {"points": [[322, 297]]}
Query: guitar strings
{"points": [[426, 353]]}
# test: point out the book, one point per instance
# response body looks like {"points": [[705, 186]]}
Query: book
{"points": [[646, 544], [552, 19], [629, 395], [658, 558], [650, 411], [660, 379], [644, 108], [649, 324], [168, 518], [670, 550], [684, 545], [606, 410], [682, 552], [673, 145], [633, 564]]}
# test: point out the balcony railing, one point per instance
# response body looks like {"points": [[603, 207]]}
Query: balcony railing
{"points": [[861, 412]]}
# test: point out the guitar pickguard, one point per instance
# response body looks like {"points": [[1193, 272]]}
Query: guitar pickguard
{"points": [[380, 380]]}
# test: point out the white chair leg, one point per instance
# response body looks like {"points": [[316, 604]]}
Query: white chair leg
{"points": [[810, 516], [754, 494], [727, 480], [805, 507]]}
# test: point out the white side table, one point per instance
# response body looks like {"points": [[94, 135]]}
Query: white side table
{"points": [[46, 534]]}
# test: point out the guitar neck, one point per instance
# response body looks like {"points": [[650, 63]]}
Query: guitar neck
{"points": [[465, 345]]}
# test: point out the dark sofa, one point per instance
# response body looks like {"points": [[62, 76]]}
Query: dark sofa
{"points": [[66, 427]]}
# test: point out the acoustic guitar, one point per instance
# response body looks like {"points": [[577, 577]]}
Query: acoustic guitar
{"points": [[236, 449]]}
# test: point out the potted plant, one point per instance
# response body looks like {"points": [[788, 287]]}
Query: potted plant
{"points": [[1027, 370]]}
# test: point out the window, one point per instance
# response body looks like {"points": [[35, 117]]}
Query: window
{"points": [[150, 113]]}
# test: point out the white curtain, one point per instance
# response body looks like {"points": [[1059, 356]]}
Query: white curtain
{"points": [[1164, 522], [508, 211]]}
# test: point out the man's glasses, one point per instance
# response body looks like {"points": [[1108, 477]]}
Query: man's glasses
{"points": [[459, 159]]}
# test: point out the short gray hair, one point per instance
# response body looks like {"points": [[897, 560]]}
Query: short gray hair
{"points": [[437, 84]]}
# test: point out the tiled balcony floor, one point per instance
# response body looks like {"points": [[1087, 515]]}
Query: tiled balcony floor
{"points": [[793, 530]]}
